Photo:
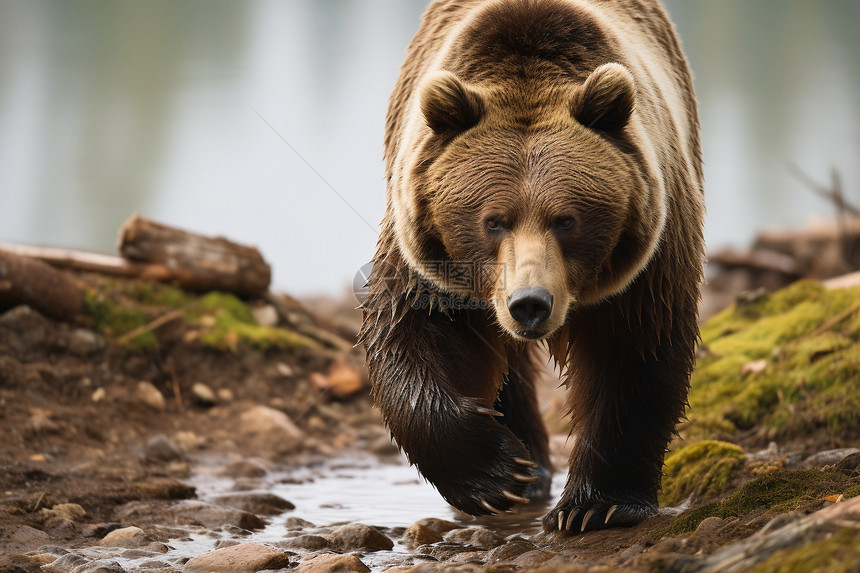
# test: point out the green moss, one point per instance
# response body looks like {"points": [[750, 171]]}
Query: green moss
{"points": [[157, 294], [809, 340], [234, 326], [114, 320], [704, 468], [779, 490], [836, 554]]}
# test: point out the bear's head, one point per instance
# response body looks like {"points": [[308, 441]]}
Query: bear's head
{"points": [[535, 198]]}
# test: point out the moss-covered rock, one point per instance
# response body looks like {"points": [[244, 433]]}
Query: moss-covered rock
{"points": [[808, 340], [781, 491], [703, 468], [229, 324], [835, 554]]}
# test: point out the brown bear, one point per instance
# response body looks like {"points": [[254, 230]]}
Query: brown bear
{"points": [[544, 184]]}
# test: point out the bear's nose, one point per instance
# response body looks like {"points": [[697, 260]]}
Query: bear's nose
{"points": [[530, 306]]}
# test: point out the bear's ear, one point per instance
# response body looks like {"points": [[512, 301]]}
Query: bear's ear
{"points": [[448, 105], [605, 101]]}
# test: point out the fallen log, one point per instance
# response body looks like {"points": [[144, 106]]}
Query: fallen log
{"points": [[52, 292], [194, 261]]}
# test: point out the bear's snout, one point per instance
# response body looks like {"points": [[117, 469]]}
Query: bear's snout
{"points": [[530, 307]]}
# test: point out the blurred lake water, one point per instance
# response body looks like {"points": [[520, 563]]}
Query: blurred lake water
{"points": [[262, 120]]}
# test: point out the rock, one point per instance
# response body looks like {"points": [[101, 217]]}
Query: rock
{"points": [[271, 430], [479, 537], [240, 558], [266, 315], [438, 525], [244, 469], [534, 558], [850, 465], [421, 535], [333, 564], [148, 395], [164, 488], [309, 542], [710, 524], [160, 448], [259, 503], [65, 563], [297, 524], [828, 457], [225, 395], [66, 511], [98, 395], [188, 512], [84, 343], [129, 537], [359, 537], [100, 566], [510, 550], [342, 380], [203, 394]]}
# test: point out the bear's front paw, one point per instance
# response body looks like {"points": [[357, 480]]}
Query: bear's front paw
{"points": [[486, 469], [572, 518]]}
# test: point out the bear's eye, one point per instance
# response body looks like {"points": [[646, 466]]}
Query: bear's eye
{"points": [[495, 224], [564, 223]]}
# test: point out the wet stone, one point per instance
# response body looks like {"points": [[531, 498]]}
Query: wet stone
{"points": [[534, 558], [479, 537], [259, 503], [308, 542], [360, 537], [510, 550], [129, 537], [244, 469], [26, 539], [65, 563], [297, 524], [333, 563], [421, 535], [240, 558], [438, 525]]}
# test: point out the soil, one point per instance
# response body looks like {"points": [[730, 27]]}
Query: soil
{"points": [[154, 457]]}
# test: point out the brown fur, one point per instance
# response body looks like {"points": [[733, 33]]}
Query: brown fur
{"points": [[551, 144]]}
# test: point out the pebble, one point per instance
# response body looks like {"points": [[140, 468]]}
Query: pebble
{"points": [[84, 343], [225, 395], [272, 430], [333, 563], [244, 469], [148, 395], [479, 537], [259, 503], [162, 449], [534, 558], [266, 315], [203, 394], [297, 524], [128, 537], [510, 550], [65, 563], [438, 525], [359, 537], [240, 558], [710, 524], [308, 541], [421, 535], [828, 457]]}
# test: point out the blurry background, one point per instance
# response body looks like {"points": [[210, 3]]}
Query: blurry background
{"points": [[161, 107]]}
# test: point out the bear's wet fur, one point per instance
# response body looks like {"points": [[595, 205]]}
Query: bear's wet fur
{"points": [[549, 145]]}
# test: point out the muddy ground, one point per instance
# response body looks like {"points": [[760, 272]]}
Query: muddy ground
{"points": [[171, 432]]}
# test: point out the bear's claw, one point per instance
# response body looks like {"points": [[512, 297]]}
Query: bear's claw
{"points": [[524, 478], [488, 412], [515, 498], [490, 508], [596, 516], [527, 463]]}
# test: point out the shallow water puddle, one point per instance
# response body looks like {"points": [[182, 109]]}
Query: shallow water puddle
{"points": [[355, 487]]}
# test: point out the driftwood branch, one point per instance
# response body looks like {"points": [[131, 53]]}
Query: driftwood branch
{"points": [[50, 291], [196, 262]]}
